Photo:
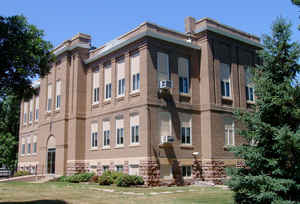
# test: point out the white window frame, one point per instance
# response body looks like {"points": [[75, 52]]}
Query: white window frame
{"points": [[186, 122], [134, 130], [25, 112], [34, 146], [136, 167], [96, 86], [37, 108], [184, 63], [29, 145], [120, 130], [30, 111], [185, 173], [94, 136], [118, 167], [106, 134], [107, 85], [249, 86], [228, 130], [58, 95], [105, 168], [49, 98], [23, 147], [225, 82], [159, 71], [160, 123], [121, 82], [135, 77]]}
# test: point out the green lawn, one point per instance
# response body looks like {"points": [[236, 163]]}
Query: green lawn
{"points": [[54, 192]]}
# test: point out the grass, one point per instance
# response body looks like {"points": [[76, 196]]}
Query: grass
{"points": [[59, 193]]}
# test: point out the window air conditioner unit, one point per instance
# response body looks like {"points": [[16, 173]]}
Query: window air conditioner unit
{"points": [[167, 139], [165, 84]]}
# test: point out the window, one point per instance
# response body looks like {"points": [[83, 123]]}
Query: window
{"points": [[25, 112], [119, 168], [94, 135], [225, 80], [23, 146], [105, 168], [121, 77], [106, 133], [166, 171], [96, 86], [58, 94], [165, 125], [107, 81], [34, 145], [134, 169], [229, 131], [134, 128], [183, 73], [186, 127], [49, 102], [162, 67], [30, 111], [249, 85], [37, 105], [28, 145], [135, 72], [186, 171], [120, 131]]}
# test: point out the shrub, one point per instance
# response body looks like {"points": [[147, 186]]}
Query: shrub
{"points": [[105, 178], [76, 178], [137, 180], [115, 175], [94, 179], [21, 173], [124, 180], [62, 179]]}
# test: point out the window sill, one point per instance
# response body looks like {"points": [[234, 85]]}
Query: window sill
{"points": [[34, 154], [185, 95], [93, 149], [120, 98], [226, 147], [119, 147], [250, 102], [106, 147], [186, 146], [135, 93], [95, 105], [228, 98], [134, 145], [107, 101], [57, 110]]}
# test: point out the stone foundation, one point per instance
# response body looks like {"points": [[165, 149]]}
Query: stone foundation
{"points": [[213, 171], [77, 167]]}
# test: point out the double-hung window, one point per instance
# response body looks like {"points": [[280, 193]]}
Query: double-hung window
{"points": [[119, 168], [183, 72], [107, 81], [162, 67], [58, 94], [249, 85], [229, 131], [28, 145], [30, 110], [165, 125], [134, 129], [49, 101], [96, 86], [121, 77], [25, 112], [34, 145], [94, 135], [225, 79], [37, 105], [186, 129], [135, 72], [186, 171], [106, 133], [120, 131], [23, 146]]}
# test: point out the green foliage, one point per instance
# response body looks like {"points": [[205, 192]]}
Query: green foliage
{"points": [[272, 163], [24, 55], [9, 128], [120, 179], [21, 173], [137, 180], [76, 178], [124, 180], [106, 178]]}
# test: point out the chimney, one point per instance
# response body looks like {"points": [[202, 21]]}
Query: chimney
{"points": [[189, 23]]}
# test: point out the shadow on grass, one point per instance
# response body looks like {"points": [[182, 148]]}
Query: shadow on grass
{"points": [[37, 202]]}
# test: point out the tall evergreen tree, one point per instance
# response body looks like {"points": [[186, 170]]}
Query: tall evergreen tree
{"points": [[272, 153]]}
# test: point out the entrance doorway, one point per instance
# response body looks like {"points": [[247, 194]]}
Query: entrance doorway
{"points": [[51, 161]]}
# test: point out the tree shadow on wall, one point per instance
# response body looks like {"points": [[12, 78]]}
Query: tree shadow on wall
{"points": [[37, 202]]}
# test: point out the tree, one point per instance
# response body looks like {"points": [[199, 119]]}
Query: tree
{"points": [[297, 3], [272, 153], [24, 55]]}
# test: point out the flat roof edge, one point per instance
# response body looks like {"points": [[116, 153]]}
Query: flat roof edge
{"points": [[139, 36]]}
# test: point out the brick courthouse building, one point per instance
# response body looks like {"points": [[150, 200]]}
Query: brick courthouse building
{"points": [[153, 102]]}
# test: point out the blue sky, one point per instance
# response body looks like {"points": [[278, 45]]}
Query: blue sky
{"points": [[106, 20]]}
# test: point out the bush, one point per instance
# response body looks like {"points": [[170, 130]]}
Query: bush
{"points": [[137, 180], [62, 179], [76, 178], [94, 179], [21, 173], [106, 178], [124, 180]]}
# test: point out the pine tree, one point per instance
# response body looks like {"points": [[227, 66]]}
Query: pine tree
{"points": [[272, 153]]}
